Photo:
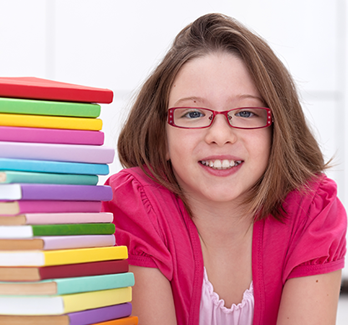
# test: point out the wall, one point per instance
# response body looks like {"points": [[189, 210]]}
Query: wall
{"points": [[115, 44]]}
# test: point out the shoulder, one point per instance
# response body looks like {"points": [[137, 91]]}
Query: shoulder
{"points": [[317, 200]]}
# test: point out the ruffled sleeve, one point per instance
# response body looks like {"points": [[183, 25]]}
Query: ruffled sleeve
{"points": [[138, 225], [318, 232]]}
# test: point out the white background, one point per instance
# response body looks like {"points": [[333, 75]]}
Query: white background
{"points": [[115, 44]]}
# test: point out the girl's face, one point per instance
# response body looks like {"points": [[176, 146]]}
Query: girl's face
{"points": [[218, 81]]}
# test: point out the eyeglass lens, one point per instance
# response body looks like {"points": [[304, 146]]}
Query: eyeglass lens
{"points": [[245, 117]]}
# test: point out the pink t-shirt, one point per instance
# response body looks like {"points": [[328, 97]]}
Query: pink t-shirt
{"points": [[153, 223]]}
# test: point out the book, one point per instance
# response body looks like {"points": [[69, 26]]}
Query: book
{"points": [[27, 191], [77, 318], [61, 304], [46, 166], [130, 320], [48, 107], [64, 256], [57, 152], [68, 285], [56, 218], [38, 88], [12, 176], [48, 206], [51, 122], [40, 135], [57, 242], [63, 271], [29, 231]]}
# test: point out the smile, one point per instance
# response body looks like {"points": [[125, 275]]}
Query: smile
{"points": [[220, 164]]}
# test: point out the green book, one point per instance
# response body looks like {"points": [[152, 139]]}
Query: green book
{"points": [[29, 231], [9, 176], [45, 107], [68, 285]]}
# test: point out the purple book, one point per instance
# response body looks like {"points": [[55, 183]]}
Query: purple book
{"points": [[27, 191], [100, 314]]}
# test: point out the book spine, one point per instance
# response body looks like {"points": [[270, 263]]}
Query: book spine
{"points": [[94, 283], [96, 299], [65, 218], [100, 314], [83, 255], [60, 136], [84, 269], [68, 242], [9, 176], [58, 206], [71, 229], [64, 192]]}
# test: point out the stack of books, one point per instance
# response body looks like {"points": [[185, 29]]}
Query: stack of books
{"points": [[58, 259]]}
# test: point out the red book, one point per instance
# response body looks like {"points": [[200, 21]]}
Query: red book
{"points": [[37, 88], [63, 271]]}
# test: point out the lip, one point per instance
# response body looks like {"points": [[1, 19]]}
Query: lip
{"points": [[222, 157]]}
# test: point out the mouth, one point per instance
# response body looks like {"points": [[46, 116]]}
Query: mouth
{"points": [[221, 164]]}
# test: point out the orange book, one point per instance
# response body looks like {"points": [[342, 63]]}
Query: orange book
{"points": [[131, 320]]}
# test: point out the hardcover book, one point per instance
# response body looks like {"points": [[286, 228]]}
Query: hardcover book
{"points": [[57, 242], [12, 232], [47, 206], [44, 107], [68, 285], [55, 218], [131, 320], [11, 176], [62, 304], [37, 88], [57, 152], [64, 256], [46, 166], [89, 316], [27, 191], [60, 136], [63, 271], [51, 122]]}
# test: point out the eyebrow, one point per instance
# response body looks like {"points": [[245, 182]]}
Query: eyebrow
{"points": [[202, 100], [193, 98]]}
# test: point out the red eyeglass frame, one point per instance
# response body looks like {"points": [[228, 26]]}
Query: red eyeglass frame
{"points": [[171, 110]]}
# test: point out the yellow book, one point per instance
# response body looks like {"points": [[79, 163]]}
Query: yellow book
{"points": [[57, 305], [51, 122], [63, 256]]}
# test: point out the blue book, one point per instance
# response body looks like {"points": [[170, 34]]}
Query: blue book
{"points": [[46, 166]]}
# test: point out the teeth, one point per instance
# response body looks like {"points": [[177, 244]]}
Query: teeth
{"points": [[221, 164]]}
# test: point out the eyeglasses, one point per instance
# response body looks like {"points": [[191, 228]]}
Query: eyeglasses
{"points": [[199, 118]]}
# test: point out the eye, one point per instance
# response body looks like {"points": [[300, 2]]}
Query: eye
{"points": [[245, 114], [193, 114]]}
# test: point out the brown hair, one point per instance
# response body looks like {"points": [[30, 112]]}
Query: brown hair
{"points": [[295, 155]]}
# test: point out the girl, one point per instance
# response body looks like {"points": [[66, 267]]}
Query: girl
{"points": [[224, 206]]}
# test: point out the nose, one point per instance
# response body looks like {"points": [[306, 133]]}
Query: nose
{"points": [[220, 132]]}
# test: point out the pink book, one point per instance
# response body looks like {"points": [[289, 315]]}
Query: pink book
{"points": [[37, 88], [57, 152], [57, 242], [56, 218], [60, 136], [50, 206]]}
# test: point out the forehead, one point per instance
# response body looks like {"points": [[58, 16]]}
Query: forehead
{"points": [[216, 77]]}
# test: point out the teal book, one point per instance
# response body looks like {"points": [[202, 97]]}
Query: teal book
{"points": [[10, 176], [68, 285], [30, 231], [51, 166], [45, 107]]}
